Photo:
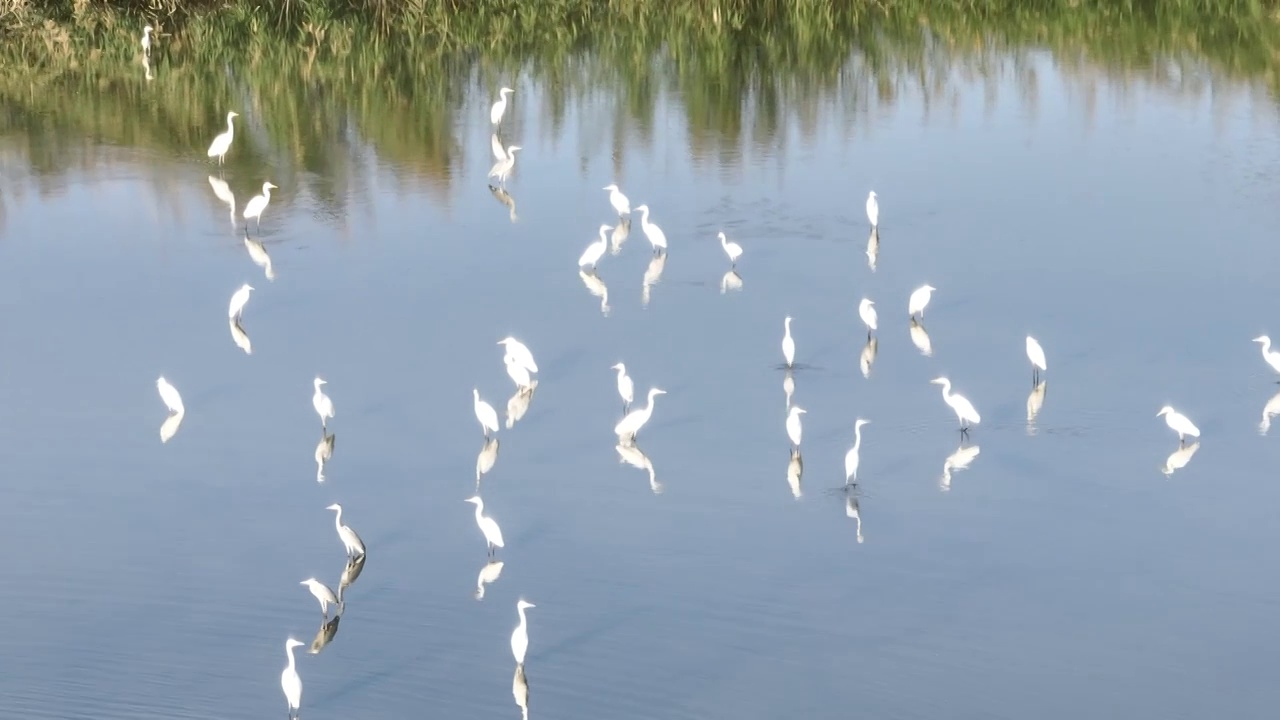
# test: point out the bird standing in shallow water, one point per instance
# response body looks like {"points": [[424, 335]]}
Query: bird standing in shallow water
{"points": [[1035, 354], [873, 210], [485, 413], [218, 148], [289, 680], [788, 344], [618, 200], [488, 526], [520, 352], [794, 429], [732, 249], [500, 107], [169, 394], [520, 636], [626, 388], [1179, 423], [322, 404], [253, 209], [965, 412], [919, 300], [851, 458], [627, 428], [867, 311], [595, 250], [322, 593], [146, 40], [1271, 356], [656, 237], [239, 299], [350, 540]]}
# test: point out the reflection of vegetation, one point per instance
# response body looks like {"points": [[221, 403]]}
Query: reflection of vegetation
{"points": [[309, 76]]}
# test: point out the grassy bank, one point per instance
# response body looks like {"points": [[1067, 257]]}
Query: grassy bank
{"points": [[402, 72]]}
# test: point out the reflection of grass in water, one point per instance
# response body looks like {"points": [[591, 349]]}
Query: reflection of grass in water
{"points": [[302, 72]]}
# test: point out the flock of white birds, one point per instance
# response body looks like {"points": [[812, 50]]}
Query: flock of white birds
{"points": [[521, 367]]}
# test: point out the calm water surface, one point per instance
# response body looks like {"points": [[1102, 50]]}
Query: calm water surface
{"points": [[1127, 223]]}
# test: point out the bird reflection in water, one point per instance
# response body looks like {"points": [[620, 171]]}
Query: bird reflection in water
{"points": [[853, 512], [170, 426], [619, 236], [1270, 410], [652, 276], [795, 471], [873, 248], [518, 405], [731, 281], [597, 288], [324, 453], [324, 636], [146, 69], [789, 386], [632, 455], [486, 458], [1035, 401], [489, 574], [868, 356], [350, 573], [1179, 458], [958, 460], [520, 691], [920, 338], [223, 191], [258, 254], [504, 197], [240, 337]]}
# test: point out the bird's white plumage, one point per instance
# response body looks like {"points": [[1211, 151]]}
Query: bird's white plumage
{"points": [[488, 526], [520, 636], [626, 388], [146, 39], [851, 459], [919, 300], [1178, 422], [500, 107], [1270, 356], [485, 413], [656, 237], [350, 540], [618, 200], [502, 169], [321, 402], [867, 311], [1035, 354], [595, 250], [253, 209], [732, 249], [794, 429], [240, 298], [520, 352], [222, 142], [169, 394], [289, 680], [518, 373], [873, 209], [628, 426], [322, 594], [788, 344], [964, 410]]}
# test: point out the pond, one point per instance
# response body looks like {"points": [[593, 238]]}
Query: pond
{"points": [[1077, 563]]}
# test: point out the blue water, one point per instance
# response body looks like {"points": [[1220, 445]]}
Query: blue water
{"points": [[1127, 225]]}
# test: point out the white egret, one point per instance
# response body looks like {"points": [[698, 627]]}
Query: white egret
{"points": [[788, 345], [873, 209], [489, 574], [350, 540], [518, 373], [867, 311], [1179, 423], [595, 250], [146, 39], [919, 300], [218, 148], [169, 394], [322, 403], [657, 238], [618, 200], [488, 526], [965, 412], [485, 413], [794, 430], [253, 208], [1271, 356], [500, 107], [627, 428], [520, 352], [520, 636], [322, 593], [239, 299], [732, 249], [626, 388], [289, 680], [1035, 354], [851, 458], [502, 169]]}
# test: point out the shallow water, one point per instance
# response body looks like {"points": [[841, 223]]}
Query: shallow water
{"points": [[1125, 223]]}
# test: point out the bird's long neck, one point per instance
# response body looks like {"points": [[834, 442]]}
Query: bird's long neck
{"points": [[230, 127], [479, 511], [1266, 346], [946, 391], [523, 621], [644, 216], [289, 651], [337, 519], [857, 438]]}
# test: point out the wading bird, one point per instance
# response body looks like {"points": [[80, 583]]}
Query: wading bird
{"points": [[322, 593], [627, 428], [919, 300], [488, 526], [520, 636], [485, 413], [350, 540], [1179, 423], [253, 209], [500, 107], [732, 249], [1035, 354], [218, 148], [626, 388], [240, 298], [289, 680], [965, 412], [322, 403], [657, 238]]}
